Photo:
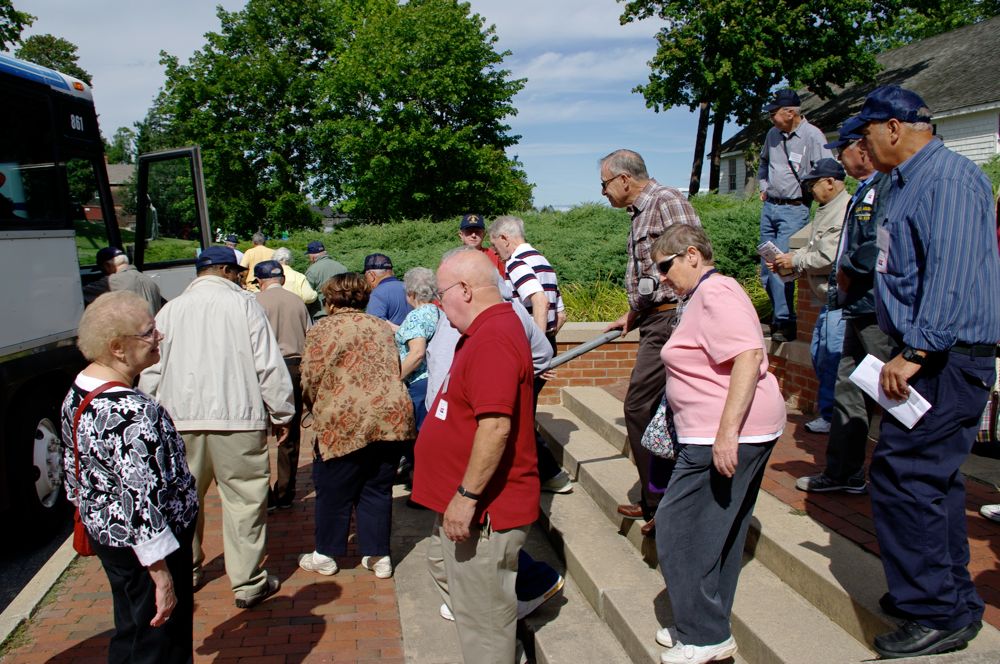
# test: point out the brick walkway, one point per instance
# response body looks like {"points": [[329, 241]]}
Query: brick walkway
{"points": [[349, 617]]}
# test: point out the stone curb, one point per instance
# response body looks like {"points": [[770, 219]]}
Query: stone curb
{"points": [[21, 608]]}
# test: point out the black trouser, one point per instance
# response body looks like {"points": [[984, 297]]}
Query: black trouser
{"points": [[645, 390], [134, 595], [288, 451]]}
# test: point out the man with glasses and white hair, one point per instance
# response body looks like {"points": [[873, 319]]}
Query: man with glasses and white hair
{"points": [[652, 304], [791, 149]]}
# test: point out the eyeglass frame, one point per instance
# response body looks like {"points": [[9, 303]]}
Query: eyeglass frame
{"points": [[604, 183]]}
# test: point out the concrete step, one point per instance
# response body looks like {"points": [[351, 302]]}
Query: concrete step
{"points": [[827, 570]]}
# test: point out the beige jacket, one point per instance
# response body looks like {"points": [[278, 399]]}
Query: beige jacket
{"points": [[220, 368], [814, 260]]}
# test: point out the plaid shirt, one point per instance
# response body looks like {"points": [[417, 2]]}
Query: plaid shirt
{"points": [[653, 210]]}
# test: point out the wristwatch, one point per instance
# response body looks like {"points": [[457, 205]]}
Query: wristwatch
{"points": [[465, 493], [913, 355]]}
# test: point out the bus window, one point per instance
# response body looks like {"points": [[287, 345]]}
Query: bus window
{"points": [[85, 210], [173, 229], [29, 177]]}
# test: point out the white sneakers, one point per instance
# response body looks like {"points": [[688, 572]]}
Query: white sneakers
{"points": [[382, 568], [317, 562], [679, 653], [819, 425], [560, 483], [525, 608], [327, 566], [991, 512]]}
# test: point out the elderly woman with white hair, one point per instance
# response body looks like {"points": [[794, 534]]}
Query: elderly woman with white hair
{"points": [[295, 281], [127, 473], [413, 335]]}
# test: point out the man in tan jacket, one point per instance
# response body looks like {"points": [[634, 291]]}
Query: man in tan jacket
{"points": [[813, 263]]}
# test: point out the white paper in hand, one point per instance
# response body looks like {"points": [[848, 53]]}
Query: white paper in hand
{"points": [[909, 412]]}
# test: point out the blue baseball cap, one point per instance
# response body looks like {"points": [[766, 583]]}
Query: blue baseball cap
{"points": [[825, 168], [315, 247], [217, 256], [783, 98], [268, 270], [472, 221], [108, 253], [848, 133], [377, 262], [893, 102], [232, 238]]}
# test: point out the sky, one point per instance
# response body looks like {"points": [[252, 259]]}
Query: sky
{"points": [[577, 105]]}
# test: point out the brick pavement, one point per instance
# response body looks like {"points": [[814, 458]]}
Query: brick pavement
{"points": [[348, 617]]}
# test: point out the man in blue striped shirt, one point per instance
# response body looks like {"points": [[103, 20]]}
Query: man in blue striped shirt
{"points": [[937, 279]]}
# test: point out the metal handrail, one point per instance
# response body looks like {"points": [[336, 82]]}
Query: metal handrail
{"points": [[585, 347]]}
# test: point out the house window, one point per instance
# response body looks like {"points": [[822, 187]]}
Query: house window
{"points": [[732, 175]]}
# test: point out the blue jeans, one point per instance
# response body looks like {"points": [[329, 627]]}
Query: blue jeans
{"points": [[827, 342], [778, 223]]}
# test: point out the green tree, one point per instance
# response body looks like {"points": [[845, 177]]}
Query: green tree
{"points": [[55, 53], [12, 23], [925, 18], [421, 97], [341, 100], [725, 56], [121, 149]]}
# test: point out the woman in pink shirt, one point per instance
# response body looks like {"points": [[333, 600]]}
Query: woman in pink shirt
{"points": [[728, 413]]}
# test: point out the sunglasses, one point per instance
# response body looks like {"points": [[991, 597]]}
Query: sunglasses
{"points": [[665, 265]]}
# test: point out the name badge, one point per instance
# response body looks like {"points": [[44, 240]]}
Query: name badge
{"points": [[869, 196], [794, 157], [442, 410], [882, 240]]}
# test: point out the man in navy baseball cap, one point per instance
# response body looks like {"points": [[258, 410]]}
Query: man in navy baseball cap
{"points": [[217, 256], [849, 132], [891, 102]]}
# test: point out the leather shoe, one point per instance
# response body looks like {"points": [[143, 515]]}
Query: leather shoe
{"points": [[649, 528], [630, 511], [912, 639]]}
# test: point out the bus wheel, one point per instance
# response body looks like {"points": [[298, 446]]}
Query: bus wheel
{"points": [[35, 477]]}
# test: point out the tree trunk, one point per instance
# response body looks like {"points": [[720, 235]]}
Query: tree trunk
{"points": [[699, 149], [714, 170]]}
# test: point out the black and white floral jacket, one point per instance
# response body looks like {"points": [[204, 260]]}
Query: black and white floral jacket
{"points": [[135, 489]]}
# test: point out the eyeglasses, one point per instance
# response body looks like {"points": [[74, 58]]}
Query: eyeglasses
{"points": [[149, 335], [604, 183], [847, 146], [442, 291], [665, 265]]}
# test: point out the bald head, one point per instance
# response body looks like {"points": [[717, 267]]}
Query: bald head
{"points": [[466, 280]]}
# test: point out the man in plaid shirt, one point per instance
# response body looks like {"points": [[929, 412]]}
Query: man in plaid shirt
{"points": [[652, 305]]}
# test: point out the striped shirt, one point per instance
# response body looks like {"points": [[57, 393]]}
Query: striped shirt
{"points": [[938, 273], [655, 208], [528, 273]]}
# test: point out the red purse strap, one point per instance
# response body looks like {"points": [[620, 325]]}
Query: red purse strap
{"points": [[79, 411]]}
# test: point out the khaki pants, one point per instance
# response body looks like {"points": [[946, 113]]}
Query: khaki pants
{"points": [[476, 580], [237, 461]]}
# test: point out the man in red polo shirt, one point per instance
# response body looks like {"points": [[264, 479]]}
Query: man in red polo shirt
{"points": [[476, 464]]}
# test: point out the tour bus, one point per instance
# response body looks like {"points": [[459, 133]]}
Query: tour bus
{"points": [[56, 210]]}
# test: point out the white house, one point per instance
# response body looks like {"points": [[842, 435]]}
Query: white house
{"points": [[955, 73]]}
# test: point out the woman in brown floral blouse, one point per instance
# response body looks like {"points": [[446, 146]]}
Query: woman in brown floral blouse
{"points": [[361, 410]]}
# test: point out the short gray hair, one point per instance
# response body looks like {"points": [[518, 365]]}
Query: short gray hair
{"points": [[629, 162], [258, 238], [507, 225], [678, 237], [121, 259], [420, 284], [111, 316], [282, 254]]}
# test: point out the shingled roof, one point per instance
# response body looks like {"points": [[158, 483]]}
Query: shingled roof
{"points": [[954, 72]]}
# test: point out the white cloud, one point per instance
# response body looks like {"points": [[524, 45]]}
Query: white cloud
{"points": [[582, 71]]}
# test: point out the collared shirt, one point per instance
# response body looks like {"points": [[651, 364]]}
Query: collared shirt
{"points": [[938, 271], [804, 146], [529, 272], [655, 208]]}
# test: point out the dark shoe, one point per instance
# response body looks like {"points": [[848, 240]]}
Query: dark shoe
{"points": [[823, 484], [649, 528], [912, 639], [631, 511], [784, 334], [272, 586]]}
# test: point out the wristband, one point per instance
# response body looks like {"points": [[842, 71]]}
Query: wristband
{"points": [[465, 493]]}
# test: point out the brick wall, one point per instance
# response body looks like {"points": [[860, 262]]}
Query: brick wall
{"points": [[612, 363]]}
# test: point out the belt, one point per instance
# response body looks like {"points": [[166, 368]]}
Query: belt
{"points": [[974, 350], [784, 201], [666, 306], [293, 360]]}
